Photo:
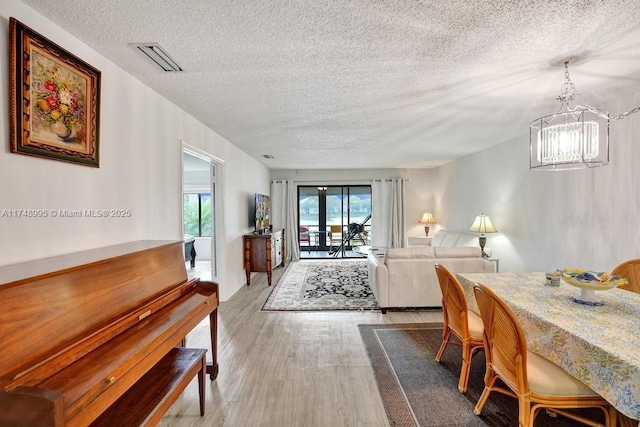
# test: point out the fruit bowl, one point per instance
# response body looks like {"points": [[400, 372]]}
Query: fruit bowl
{"points": [[588, 282]]}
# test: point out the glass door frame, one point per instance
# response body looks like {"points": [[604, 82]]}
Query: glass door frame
{"points": [[320, 236]]}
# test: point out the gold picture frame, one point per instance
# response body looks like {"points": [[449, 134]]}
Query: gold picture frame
{"points": [[55, 100]]}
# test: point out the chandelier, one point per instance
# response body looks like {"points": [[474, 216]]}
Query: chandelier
{"points": [[576, 137]]}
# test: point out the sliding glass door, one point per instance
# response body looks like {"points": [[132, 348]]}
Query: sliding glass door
{"points": [[325, 215]]}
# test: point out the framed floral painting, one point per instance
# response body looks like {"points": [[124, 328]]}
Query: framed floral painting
{"points": [[55, 100]]}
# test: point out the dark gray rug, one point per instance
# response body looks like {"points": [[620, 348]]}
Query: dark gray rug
{"points": [[323, 285], [417, 391]]}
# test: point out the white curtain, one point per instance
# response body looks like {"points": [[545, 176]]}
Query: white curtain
{"points": [[284, 215], [387, 213]]}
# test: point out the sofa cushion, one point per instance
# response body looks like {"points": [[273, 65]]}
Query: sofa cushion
{"points": [[464, 252], [439, 237], [413, 252], [468, 240], [451, 239]]}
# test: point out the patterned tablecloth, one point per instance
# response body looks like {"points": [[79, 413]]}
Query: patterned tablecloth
{"points": [[600, 345]]}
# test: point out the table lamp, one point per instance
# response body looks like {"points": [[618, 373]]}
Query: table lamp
{"points": [[482, 224], [427, 218]]}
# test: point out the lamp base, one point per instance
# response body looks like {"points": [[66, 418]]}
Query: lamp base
{"points": [[426, 230], [483, 241]]}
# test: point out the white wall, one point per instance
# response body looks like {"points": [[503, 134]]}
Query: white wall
{"points": [[586, 219], [418, 189], [140, 158]]}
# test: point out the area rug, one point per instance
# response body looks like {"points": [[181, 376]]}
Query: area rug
{"points": [[323, 285], [417, 391]]}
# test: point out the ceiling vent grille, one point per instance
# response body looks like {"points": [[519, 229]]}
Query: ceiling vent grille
{"points": [[157, 54]]}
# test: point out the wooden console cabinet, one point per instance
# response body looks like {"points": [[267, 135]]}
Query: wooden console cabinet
{"points": [[263, 253]]}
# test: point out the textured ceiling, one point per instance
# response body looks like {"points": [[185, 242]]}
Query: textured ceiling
{"points": [[366, 83]]}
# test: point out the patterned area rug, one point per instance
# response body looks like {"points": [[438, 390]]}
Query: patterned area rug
{"points": [[323, 285], [417, 391]]}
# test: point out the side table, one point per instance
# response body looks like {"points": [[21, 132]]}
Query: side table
{"points": [[496, 261]]}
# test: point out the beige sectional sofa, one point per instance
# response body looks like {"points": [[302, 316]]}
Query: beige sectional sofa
{"points": [[406, 277]]}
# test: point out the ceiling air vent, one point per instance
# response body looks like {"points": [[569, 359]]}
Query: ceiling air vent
{"points": [[157, 54]]}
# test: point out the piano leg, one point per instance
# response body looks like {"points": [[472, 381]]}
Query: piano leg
{"points": [[212, 368]]}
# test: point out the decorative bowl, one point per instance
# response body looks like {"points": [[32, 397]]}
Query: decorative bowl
{"points": [[588, 282]]}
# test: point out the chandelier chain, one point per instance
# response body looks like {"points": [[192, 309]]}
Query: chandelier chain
{"points": [[568, 92], [568, 89], [628, 113]]}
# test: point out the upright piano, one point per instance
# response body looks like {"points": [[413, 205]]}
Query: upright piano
{"points": [[78, 331]]}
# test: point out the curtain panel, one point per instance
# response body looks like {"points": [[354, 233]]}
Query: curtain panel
{"points": [[387, 213], [284, 214]]}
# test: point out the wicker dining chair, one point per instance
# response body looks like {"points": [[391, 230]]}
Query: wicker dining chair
{"points": [[465, 325], [624, 421], [536, 382], [630, 270]]}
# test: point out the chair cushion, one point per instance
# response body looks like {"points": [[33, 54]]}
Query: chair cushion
{"points": [[545, 377], [475, 325]]}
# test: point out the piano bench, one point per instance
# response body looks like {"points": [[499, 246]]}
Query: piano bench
{"points": [[149, 399]]}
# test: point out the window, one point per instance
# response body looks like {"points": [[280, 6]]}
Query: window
{"points": [[197, 214]]}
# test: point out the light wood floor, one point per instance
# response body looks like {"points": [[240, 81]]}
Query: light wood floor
{"points": [[281, 369]]}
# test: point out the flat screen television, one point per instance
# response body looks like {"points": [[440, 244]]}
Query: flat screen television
{"points": [[263, 212]]}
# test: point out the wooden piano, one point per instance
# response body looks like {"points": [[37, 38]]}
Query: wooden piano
{"points": [[80, 330]]}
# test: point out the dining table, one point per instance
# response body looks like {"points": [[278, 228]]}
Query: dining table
{"points": [[597, 344]]}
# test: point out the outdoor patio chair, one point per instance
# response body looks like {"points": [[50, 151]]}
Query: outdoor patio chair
{"points": [[304, 237], [335, 235]]}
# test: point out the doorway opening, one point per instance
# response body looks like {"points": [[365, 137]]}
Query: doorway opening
{"points": [[200, 213], [334, 220]]}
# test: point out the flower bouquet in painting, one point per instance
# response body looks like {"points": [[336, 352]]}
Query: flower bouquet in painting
{"points": [[60, 100]]}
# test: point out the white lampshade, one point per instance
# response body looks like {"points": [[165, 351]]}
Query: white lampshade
{"points": [[427, 218], [482, 224]]}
